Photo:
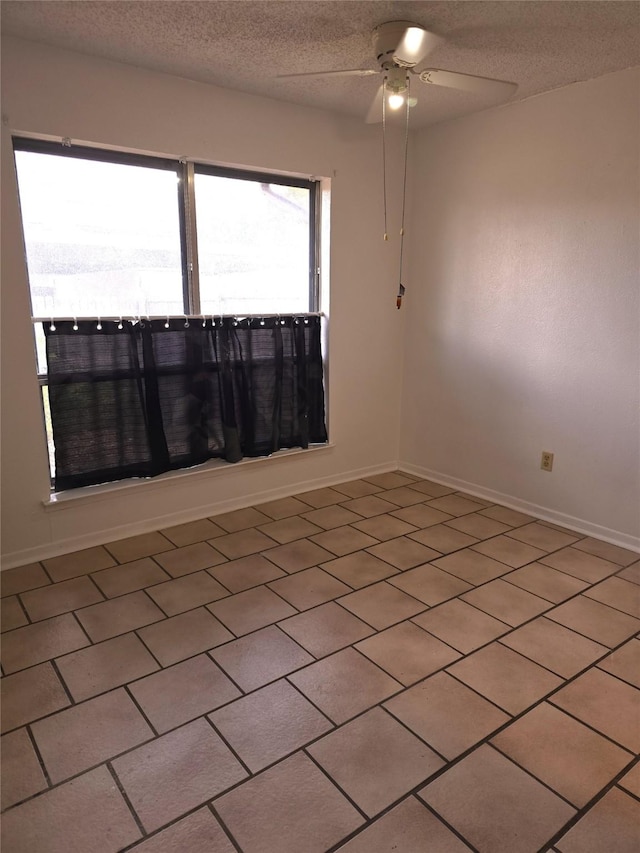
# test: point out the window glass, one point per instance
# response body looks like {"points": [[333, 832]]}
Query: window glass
{"points": [[253, 246], [101, 238]]}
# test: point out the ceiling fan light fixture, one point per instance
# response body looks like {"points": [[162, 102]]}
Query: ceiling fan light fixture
{"points": [[395, 101]]}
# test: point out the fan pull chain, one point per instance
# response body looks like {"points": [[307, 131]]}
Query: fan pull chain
{"points": [[401, 288], [384, 155]]}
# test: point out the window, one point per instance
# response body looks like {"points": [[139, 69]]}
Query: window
{"points": [[110, 234], [114, 236]]}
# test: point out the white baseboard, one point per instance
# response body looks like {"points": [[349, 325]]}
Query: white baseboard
{"points": [[587, 528], [124, 531]]}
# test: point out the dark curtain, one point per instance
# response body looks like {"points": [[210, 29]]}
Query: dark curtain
{"points": [[142, 399]]}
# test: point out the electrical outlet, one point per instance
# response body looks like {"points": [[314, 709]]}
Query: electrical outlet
{"points": [[546, 463]]}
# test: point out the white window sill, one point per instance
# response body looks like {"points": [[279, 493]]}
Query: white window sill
{"points": [[215, 467]]}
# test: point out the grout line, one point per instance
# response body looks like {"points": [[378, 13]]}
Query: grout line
{"points": [[227, 743], [43, 766], [338, 786], [224, 826], [125, 797]]}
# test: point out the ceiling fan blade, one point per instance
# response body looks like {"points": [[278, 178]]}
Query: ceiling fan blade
{"points": [[351, 72], [375, 110], [414, 45], [468, 82]]}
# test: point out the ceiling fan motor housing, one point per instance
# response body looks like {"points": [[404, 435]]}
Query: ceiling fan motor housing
{"points": [[386, 39]]}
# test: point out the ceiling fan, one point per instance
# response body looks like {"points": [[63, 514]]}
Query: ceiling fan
{"points": [[399, 46]]}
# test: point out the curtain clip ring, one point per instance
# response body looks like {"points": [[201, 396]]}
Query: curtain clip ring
{"points": [[99, 326], [75, 324], [166, 325], [52, 327]]}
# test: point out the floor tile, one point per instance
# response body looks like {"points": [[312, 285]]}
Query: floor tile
{"points": [[261, 657], [507, 516], [12, 615], [319, 498], [344, 684], [554, 647], [595, 620], [343, 540], [433, 490], [190, 558], [606, 704], [404, 830], [509, 551], [542, 537], [568, 757], [31, 694], [455, 505], [193, 531], [247, 611], [631, 573], [87, 813], [614, 553], [612, 824], [22, 776], [617, 593], [243, 543], [496, 805], [119, 615], [506, 602], [390, 480], [580, 565], [478, 525], [105, 666], [290, 529], [460, 625], [32, 576], [407, 652], [511, 681], [403, 496], [443, 539], [299, 555], [383, 527], [183, 692], [78, 563], [331, 516], [185, 593], [308, 588], [422, 516], [325, 629], [200, 832], [60, 598], [631, 781], [129, 577], [177, 772], [472, 567], [624, 663], [240, 519], [381, 605], [283, 508], [375, 760], [357, 488], [447, 715], [269, 724], [369, 506], [287, 809], [403, 553], [79, 737], [359, 569], [546, 582], [41, 641], [245, 573], [429, 584], [136, 547], [184, 635]]}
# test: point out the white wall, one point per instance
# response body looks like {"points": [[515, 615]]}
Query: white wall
{"points": [[52, 92], [523, 326]]}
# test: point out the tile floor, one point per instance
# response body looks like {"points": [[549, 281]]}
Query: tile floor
{"points": [[385, 665]]}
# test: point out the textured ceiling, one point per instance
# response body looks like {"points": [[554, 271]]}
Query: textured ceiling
{"points": [[244, 44]]}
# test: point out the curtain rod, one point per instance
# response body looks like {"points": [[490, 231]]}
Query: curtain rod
{"points": [[145, 317]]}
